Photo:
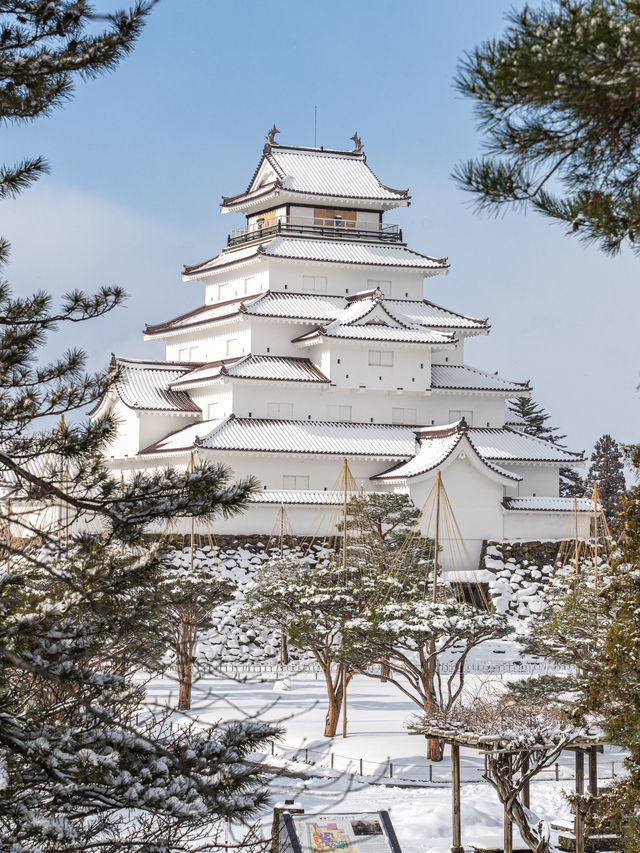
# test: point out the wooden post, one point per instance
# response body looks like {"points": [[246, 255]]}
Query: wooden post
{"points": [[593, 770], [289, 806], [508, 825], [578, 829], [456, 847], [344, 700], [526, 788]]}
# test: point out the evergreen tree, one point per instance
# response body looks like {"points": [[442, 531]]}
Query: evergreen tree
{"points": [[607, 470], [536, 423], [83, 762], [614, 695], [556, 100]]}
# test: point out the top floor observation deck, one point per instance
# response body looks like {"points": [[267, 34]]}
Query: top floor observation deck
{"points": [[333, 228]]}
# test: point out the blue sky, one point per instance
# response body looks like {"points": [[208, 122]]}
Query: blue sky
{"points": [[141, 157]]}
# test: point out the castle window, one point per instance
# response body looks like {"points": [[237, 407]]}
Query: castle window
{"points": [[404, 416], [280, 410], [383, 286], [295, 481], [456, 414], [314, 283], [381, 358], [233, 346], [339, 413], [213, 411], [250, 284]]}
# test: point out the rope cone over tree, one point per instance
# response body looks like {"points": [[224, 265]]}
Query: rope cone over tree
{"points": [[370, 596]]}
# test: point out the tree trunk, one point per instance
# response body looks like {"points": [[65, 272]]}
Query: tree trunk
{"points": [[284, 646], [435, 746], [536, 837], [186, 634], [334, 695]]}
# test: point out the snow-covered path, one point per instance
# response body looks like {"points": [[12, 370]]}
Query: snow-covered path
{"points": [[377, 734]]}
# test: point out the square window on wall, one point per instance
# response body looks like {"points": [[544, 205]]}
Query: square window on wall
{"points": [[339, 413], [295, 481], [457, 414], [280, 410], [183, 354], [233, 346], [250, 285], [213, 411], [314, 283], [383, 285], [381, 358]]}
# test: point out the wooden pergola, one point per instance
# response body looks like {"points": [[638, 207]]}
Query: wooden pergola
{"points": [[588, 747]]}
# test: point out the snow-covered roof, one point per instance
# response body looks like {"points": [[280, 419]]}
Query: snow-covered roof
{"points": [[145, 386], [297, 306], [200, 316], [319, 308], [377, 332], [436, 446], [492, 446], [461, 377], [290, 436], [324, 251], [268, 367], [511, 445], [300, 496], [299, 171], [429, 314], [541, 504]]}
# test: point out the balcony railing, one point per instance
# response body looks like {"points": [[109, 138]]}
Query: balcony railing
{"points": [[341, 229]]}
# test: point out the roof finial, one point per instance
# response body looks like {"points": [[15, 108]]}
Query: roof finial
{"points": [[271, 136], [357, 143]]}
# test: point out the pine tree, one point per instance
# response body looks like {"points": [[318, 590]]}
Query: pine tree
{"points": [[556, 101], [84, 762], [607, 470], [614, 695], [536, 423]]}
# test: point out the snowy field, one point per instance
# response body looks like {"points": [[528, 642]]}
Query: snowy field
{"points": [[395, 772]]}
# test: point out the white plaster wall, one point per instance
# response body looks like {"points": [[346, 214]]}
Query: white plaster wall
{"points": [[540, 525], [344, 281], [539, 480], [127, 440], [476, 502], [153, 427], [211, 345], [350, 368], [254, 279]]}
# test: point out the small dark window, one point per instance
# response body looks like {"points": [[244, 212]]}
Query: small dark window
{"points": [[337, 361], [371, 420], [446, 358], [421, 366], [268, 349], [250, 416], [346, 376]]}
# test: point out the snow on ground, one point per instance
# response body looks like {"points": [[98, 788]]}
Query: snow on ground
{"points": [[377, 714]]}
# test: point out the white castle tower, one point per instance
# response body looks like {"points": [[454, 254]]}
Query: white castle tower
{"points": [[314, 343]]}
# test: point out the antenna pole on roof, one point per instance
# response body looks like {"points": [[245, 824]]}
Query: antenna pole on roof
{"points": [[315, 126]]}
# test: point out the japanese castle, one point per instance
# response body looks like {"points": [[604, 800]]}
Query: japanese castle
{"points": [[317, 342]]}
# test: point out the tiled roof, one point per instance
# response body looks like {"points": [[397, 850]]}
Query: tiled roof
{"points": [[349, 252], [271, 367], [541, 504], [290, 436], [312, 306], [511, 445], [299, 496], [324, 251], [312, 171], [375, 332], [297, 306], [437, 445], [145, 385], [462, 377], [429, 314], [201, 316], [493, 446]]}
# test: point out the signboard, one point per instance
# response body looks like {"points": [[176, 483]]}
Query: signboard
{"points": [[357, 832]]}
